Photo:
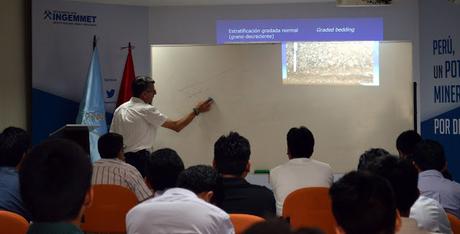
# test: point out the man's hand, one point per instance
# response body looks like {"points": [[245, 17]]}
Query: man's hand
{"points": [[204, 106]]}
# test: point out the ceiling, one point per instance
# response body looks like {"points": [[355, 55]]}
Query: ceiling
{"points": [[199, 2]]}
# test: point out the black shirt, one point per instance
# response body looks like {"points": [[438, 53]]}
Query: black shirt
{"points": [[241, 197]]}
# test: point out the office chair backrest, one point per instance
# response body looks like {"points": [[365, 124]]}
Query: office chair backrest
{"points": [[454, 223], [12, 223], [110, 205], [310, 207], [241, 222]]}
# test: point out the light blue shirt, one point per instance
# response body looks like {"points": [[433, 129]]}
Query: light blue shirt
{"points": [[432, 184], [10, 198]]}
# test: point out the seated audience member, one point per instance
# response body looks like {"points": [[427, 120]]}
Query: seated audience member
{"points": [[430, 161], [231, 160], [14, 143], [406, 142], [55, 183], [184, 209], [364, 203], [428, 213], [370, 156], [403, 177], [111, 169], [162, 169], [279, 226], [300, 171]]}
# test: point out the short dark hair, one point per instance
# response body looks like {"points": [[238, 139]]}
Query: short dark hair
{"points": [[300, 142], [407, 141], [429, 155], [231, 154], [14, 143], [54, 179], [363, 203], [140, 84], [403, 177], [198, 179], [370, 155], [279, 226], [110, 145], [271, 226], [162, 169]]}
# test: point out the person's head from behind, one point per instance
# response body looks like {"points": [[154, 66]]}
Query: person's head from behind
{"points": [[429, 155], [300, 143], [110, 145], [162, 169], [143, 87], [406, 142], [14, 143], [403, 177], [200, 179], [363, 203], [371, 155], [231, 155], [55, 181]]}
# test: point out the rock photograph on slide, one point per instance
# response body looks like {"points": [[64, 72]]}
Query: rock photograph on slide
{"points": [[331, 63]]}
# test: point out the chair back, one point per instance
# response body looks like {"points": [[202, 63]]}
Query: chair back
{"points": [[241, 222], [454, 223], [310, 207], [108, 210], [12, 223]]}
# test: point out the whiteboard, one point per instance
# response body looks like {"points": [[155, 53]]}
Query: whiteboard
{"points": [[245, 82]]}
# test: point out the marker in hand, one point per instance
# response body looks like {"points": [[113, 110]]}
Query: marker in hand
{"points": [[203, 106]]}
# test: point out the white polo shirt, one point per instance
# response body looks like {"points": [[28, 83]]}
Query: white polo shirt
{"points": [[137, 122], [177, 211], [298, 173], [430, 215]]}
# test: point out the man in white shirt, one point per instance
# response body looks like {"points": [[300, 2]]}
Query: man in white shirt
{"points": [[137, 120], [430, 160], [428, 213], [185, 209], [300, 171], [416, 216], [111, 169]]}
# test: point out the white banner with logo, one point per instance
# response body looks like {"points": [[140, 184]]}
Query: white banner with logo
{"points": [[62, 35]]}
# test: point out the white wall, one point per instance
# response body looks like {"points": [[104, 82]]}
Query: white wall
{"points": [[196, 25], [14, 82], [245, 82]]}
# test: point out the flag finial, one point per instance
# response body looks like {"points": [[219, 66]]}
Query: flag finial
{"points": [[131, 47], [94, 42]]}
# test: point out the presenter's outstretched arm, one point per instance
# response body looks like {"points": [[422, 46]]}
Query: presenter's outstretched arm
{"points": [[178, 125]]}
